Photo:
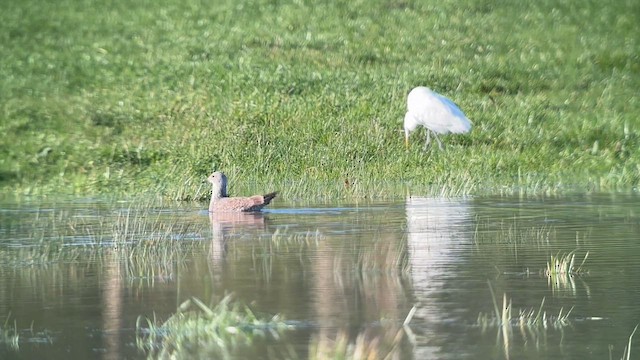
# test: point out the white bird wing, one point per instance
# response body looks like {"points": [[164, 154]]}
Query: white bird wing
{"points": [[436, 112]]}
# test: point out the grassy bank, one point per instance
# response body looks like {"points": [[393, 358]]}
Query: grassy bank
{"points": [[135, 96]]}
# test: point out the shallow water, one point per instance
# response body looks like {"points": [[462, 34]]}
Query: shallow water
{"points": [[76, 275]]}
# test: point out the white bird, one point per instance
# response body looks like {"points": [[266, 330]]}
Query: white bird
{"points": [[435, 112]]}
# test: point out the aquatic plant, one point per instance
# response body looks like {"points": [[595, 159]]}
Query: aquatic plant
{"points": [[9, 335], [626, 355], [529, 321], [282, 239], [151, 245], [382, 256], [513, 233], [208, 332], [563, 265], [561, 269]]}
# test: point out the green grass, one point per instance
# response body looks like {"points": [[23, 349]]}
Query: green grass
{"points": [[205, 332], [533, 324], [227, 329], [131, 97], [561, 271], [10, 337], [627, 349]]}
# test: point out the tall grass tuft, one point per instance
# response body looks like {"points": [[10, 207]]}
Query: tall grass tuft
{"points": [[561, 270], [532, 322], [197, 330], [9, 334]]}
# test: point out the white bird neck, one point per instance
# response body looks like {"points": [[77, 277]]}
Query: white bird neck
{"points": [[410, 121]]}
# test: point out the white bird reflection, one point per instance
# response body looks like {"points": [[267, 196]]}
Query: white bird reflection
{"points": [[437, 232]]}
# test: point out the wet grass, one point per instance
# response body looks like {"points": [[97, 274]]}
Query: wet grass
{"points": [[197, 330], [152, 246], [513, 233], [133, 98], [561, 271], [532, 324], [564, 265], [9, 335], [529, 321], [149, 244], [230, 328], [626, 355]]}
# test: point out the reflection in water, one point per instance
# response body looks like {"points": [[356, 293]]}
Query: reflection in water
{"points": [[112, 308], [357, 279], [226, 224], [83, 274], [436, 229]]}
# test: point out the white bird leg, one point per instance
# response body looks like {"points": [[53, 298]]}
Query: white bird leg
{"points": [[428, 141], [438, 139]]}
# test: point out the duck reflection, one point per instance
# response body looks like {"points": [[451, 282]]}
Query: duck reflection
{"points": [[227, 224]]}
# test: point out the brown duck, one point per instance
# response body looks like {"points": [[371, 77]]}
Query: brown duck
{"points": [[221, 202]]}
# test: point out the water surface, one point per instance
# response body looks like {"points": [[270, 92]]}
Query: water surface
{"points": [[76, 275]]}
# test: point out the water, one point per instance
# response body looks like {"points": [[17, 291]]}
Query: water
{"points": [[75, 276]]}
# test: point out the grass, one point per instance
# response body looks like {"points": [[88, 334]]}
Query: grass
{"points": [[627, 349], [561, 270], [136, 97], [9, 335], [205, 332], [224, 330], [564, 265], [530, 322], [148, 243]]}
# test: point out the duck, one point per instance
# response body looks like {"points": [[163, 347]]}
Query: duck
{"points": [[222, 202]]}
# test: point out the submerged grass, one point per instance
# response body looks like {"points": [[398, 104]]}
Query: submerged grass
{"points": [[152, 246], [197, 330], [230, 328], [149, 243], [626, 355], [561, 270], [9, 334], [564, 265], [354, 262], [531, 322], [133, 97]]}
